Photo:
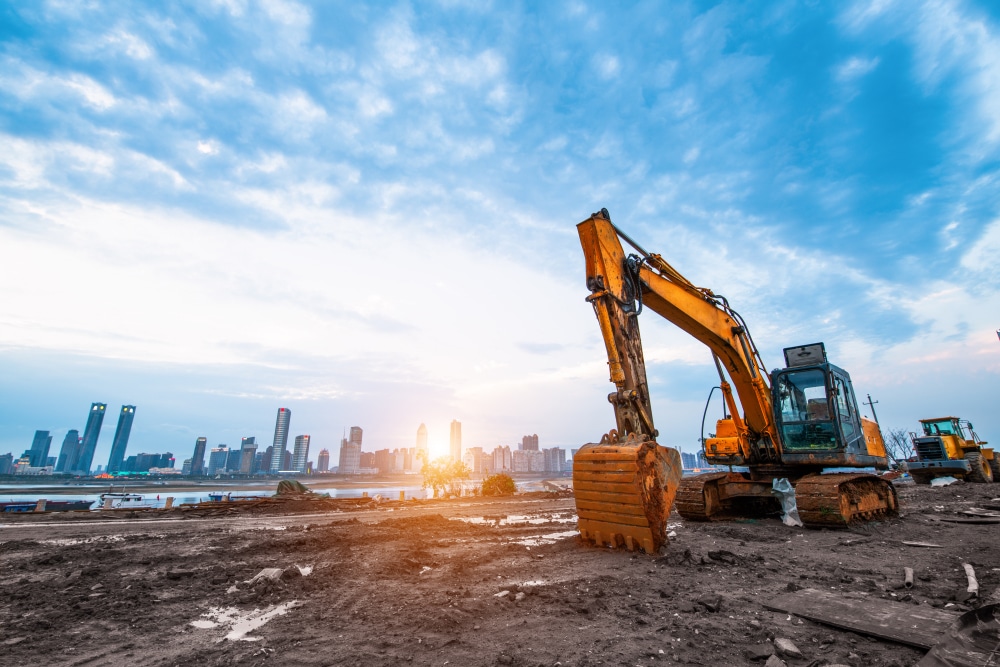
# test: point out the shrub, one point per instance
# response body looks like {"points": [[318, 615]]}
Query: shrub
{"points": [[500, 484]]}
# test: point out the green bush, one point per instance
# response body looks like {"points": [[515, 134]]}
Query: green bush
{"points": [[499, 484]]}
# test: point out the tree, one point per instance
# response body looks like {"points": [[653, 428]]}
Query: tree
{"points": [[500, 484], [443, 475], [897, 443]]}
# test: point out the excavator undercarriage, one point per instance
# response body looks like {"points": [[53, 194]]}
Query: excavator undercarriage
{"points": [[823, 501]]}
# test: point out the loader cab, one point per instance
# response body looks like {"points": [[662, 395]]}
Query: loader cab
{"points": [[816, 411]]}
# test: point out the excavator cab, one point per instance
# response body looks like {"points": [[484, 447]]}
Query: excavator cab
{"points": [[817, 415]]}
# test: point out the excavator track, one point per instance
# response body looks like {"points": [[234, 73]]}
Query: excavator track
{"points": [[837, 500], [698, 496]]}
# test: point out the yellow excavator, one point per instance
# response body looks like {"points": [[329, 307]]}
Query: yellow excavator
{"points": [[795, 423]]}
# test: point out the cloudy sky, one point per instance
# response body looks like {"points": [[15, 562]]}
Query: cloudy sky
{"points": [[365, 212]]}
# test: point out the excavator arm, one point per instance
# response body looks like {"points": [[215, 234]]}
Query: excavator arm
{"points": [[621, 286]]}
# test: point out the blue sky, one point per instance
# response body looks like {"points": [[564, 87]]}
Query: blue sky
{"points": [[366, 213]]}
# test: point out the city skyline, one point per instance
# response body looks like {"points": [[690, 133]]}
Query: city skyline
{"points": [[828, 167], [248, 445]]}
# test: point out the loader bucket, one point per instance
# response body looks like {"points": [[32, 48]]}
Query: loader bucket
{"points": [[624, 492]]}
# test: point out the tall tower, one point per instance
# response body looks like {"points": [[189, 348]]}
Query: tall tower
{"points": [[455, 440], [69, 451], [198, 458], [39, 452], [90, 435], [356, 434], [323, 460], [248, 454], [422, 452], [280, 439], [300, 455], [121, 438]]}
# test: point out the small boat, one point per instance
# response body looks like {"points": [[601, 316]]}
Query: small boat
{"points": [[50, 506], [119, 499]]}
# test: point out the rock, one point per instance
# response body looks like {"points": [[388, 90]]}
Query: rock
{"points": [[792, 587], [520, 596], [505, 660], [758, 652], [775, 661], [710, 601], [786, 647]]}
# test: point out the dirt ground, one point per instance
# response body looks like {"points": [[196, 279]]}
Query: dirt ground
{"points": [[463, 582]]}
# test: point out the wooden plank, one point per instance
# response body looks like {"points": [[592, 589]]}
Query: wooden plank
{"points": [[908, 624]]}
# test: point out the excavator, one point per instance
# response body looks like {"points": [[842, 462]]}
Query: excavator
{"points": [[796, 422]]}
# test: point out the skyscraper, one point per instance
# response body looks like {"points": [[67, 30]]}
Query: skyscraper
{"points": [[90, 435], [350, 454], [248, 455], [217, 460], [323, 460], [356, 434], [121, 438], [422, 453], [300, 456], [456, 440], [39, 452], [198, 458], [69, 451], [280, 439], [530, 443]]}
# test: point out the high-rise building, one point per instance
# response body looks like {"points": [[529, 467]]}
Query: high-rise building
{"points": [[502, 461], [198, 458], [422, 452], [39, 452], [280, 439], [186, 467], [90, 434], [455, 440], [530, 443], [350, 456], [234, 460], [689, 460], [475, 460], [69, 451], [6, 463], [323, 460], [121, 438], [555, 459], [356, 434], [217, 460], [248, 455], [300, 456]]}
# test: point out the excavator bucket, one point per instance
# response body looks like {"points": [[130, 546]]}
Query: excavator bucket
{"points": [[624, 492]]}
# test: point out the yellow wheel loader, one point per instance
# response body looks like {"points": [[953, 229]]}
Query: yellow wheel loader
{"points": [[795, 422], [949, 447]]}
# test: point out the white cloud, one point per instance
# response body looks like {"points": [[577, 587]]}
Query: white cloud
{"points": [[208, 147], [984, 255], [607, 66], [132, 45], [855, 68]]}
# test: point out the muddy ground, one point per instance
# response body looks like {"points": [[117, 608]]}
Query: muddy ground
{"points": [[414, 583]]}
